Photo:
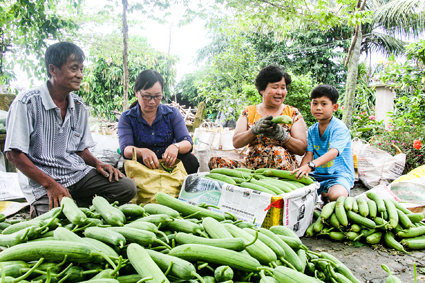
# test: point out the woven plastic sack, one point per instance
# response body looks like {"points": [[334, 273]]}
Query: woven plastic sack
{"points": [[357, 147], [376, 166], [208, 137], [150, 181], [415, 174]]}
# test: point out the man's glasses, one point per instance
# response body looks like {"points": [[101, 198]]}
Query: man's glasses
{"points": [[149, 97]]}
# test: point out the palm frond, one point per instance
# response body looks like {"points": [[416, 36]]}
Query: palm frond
{"points": [[382, 43], [401, 17]]}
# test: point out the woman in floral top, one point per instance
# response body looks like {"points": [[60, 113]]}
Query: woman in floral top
{"points": [[270, 145]]}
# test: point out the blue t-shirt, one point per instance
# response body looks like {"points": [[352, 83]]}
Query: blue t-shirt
{"points": [[335, 136], [168, 127]]}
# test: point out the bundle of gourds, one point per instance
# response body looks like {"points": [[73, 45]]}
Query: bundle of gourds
{"points": [[373, 220], [268, 180], [170, 241]]}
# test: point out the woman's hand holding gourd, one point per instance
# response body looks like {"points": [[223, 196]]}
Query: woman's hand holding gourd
{"points": [[262, 125], [276, 132]]}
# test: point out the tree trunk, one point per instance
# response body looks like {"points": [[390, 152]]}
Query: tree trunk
{"points": [[2, 49], [125, 53], [350, 88]]}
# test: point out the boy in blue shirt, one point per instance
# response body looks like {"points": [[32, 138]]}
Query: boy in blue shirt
{"points": [[328, 158]]}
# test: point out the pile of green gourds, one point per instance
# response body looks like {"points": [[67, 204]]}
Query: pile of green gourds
{"points": [[169, 241], [373, 220], [267, 180]]}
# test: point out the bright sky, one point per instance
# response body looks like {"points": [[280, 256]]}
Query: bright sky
{"points": [[185, 41]]}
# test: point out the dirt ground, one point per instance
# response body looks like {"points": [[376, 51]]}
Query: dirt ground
{"points": [[365, 261]]}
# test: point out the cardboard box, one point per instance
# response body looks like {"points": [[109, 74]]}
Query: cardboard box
{"points": [[294, 209]]}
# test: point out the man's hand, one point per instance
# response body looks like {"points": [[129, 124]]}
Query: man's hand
{"points": [[276, 132], [262, 125], [109, 172], [56, 192]]}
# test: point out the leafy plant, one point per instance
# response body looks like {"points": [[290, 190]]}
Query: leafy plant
{"points": [[408, 79], [406, 137], [406, 128], [312, 49], [102, 87], [227, 75], [299, 96], [188, 87], [26, 27]]}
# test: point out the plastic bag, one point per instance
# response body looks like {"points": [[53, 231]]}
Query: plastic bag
{"points": [[207, 137], [150, 181], [356, 147], [413, 175], [409, 192], [214, 141], [105, 149], [298, 207], [3, 116], [376, 166]]}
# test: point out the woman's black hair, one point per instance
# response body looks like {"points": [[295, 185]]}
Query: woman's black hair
{"points": [[145, 80], [57, 54], [271, 74]]}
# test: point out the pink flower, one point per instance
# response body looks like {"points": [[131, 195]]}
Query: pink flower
{"points": [[372, 117], [342, 107], [392, 141], [363, 113], [358, 117], [402, 144]]}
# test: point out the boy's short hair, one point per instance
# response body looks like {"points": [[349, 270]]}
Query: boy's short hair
{"points": [[57, 54], [327, 91], [271, 74]]}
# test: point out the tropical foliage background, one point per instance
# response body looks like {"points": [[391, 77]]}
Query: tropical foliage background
{"points": [[331, 42]]}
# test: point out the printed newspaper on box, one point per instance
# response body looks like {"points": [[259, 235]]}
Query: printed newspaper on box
{"points": [[250, 205]]}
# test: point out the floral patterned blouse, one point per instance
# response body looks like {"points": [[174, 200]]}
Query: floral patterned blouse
{"points": [[264, 152]]}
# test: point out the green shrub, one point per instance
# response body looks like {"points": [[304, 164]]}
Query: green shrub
{"points": [[404, 138]]}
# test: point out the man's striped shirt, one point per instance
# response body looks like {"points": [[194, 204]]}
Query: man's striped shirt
{"points": [[34, 126]]}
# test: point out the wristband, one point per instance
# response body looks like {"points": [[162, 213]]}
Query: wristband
{"points": [[178, 147]]}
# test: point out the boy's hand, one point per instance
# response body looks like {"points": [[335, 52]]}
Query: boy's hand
{"points": [[277, 133], [262, 125], [302, 171]]}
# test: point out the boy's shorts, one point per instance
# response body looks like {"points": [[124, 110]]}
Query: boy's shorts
{"points": [[327, 181]]}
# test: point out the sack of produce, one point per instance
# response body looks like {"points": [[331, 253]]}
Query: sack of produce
{"points": [[376, 166], [150, 181]]}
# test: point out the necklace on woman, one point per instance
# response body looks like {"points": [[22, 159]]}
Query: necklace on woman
{"points": [[146, 117]]}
